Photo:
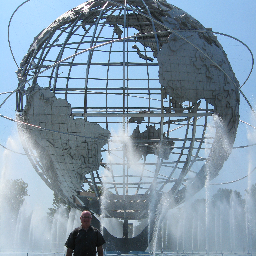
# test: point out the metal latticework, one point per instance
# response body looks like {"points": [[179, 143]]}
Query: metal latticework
{"points": [[110, 64]]}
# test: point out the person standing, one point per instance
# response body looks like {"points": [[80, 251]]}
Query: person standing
{"points": [[84, 240]]}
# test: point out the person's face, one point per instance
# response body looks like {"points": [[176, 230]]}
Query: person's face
{"points": [[86, 218]]}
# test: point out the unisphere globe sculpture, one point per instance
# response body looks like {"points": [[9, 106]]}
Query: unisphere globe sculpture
{"points": [[127, 100]]}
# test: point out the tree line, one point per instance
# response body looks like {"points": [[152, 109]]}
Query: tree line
{"points": [[15, 191]]}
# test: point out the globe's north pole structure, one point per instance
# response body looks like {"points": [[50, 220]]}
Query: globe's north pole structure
{"points": [[117, 96]]}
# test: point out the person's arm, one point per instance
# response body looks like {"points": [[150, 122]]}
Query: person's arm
{"points": [[100, 250], [70, 251]]}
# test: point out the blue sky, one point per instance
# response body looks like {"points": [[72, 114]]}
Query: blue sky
{"points": [[236, 18]]}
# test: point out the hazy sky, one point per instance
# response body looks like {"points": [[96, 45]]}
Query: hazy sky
{"points": [[236, 18]]}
